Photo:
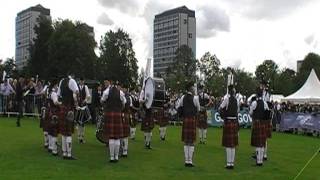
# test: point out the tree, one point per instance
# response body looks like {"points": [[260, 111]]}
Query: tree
{"points": [[311, 61], [117, 58], [285, 82], [183, 70], [39, 63], [267, 72], [208, 66], [71, 50], [245, 82]]}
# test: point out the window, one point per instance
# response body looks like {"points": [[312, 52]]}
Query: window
{"points": [[185, 21], [190, 35]]}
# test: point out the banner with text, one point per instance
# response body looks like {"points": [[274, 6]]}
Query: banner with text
{"points": [[215, 120], [308, 122]]}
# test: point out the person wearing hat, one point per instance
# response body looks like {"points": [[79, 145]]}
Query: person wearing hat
{"points": [[268, 122], [230, 109], [258, 110], [114, 101], [68, 91], [20, 90], [205, 101], [83, 113], [189, 106]]}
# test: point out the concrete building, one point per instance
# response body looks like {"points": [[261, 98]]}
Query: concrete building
{"points": [[172, 29], [26, 20]]}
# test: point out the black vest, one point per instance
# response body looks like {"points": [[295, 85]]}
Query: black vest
{"points": [[232, 110], [82, 93], [189, 109], [113, 103], [259, 112], [127, 105], [66, 93]]}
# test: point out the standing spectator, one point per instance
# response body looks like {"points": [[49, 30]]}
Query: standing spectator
{"points": [[20, 89]]}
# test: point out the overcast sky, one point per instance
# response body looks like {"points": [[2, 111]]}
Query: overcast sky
{"points": [[242, 33]]}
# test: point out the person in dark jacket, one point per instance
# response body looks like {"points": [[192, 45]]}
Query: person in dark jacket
{"points": [[20, 90]]}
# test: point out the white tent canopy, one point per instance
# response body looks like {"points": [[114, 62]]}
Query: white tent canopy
{"points": [[308, 93]]}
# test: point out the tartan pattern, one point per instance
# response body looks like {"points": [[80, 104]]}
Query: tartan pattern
{"points": [[189, 130], [258, 133], [202, 120], [147, 123], [66, 128], [126, 117], [230, 133], [268, 127], [44, 122], [162, 117], [113, 125]]}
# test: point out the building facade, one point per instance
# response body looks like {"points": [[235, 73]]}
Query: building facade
{"points": [[26, 20], [172, 29]]}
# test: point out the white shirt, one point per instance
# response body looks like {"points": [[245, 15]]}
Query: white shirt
{"points": [[6, 89], [72, 86], [195, 102], [43, 91], [54, 98], [105, 96], [254, 106], [225, 102]]}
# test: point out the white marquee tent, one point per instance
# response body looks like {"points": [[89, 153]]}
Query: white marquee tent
{"points": [[308, 93]]}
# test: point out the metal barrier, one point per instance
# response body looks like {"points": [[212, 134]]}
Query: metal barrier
{"points": [[31, 105]]}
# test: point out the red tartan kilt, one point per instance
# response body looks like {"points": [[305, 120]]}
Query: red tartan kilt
{"points": [[113, 125], [147, 123], [66, 128], [230, 133], [162, 118], [126, 126], [258, 133], [202, 120], [268, 127], [189, 130]]}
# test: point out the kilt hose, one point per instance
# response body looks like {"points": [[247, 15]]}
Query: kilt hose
{"points": [[189, 130], [202, 120], [258, 133], [126, 118], [147, 123], [113, 125], [230, 133], [162, 117], [66, 127]]}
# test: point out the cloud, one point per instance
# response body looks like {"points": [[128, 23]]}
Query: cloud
{"points": [[267, 9], [310, 39], [125, 6], [104, 19], [211, 20]]}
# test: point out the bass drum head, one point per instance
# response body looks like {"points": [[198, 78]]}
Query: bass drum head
{"points": [[149, 92]]}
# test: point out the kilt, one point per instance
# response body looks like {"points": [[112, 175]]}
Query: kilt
{"points": [[268, 126], [44, 122], [189, 130], [113, 125], [53, 129], [133, 121], [202, 120], [258, 133], [126, 117], [230, 133], [147, 123], [162, 118], [66, 127]]}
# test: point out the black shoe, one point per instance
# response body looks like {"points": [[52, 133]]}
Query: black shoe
{"points": [[55, 154], [46, 146], [265, 158], [254, 156], [259, 164], [49, 151], [124, 155], [81, 141], [111, 161], [65, 157], [191, 165], [228, 167], [71, 158], [116, 160], [186, 164]]}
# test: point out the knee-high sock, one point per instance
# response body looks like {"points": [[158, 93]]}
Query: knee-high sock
{"points": [[191, 151], [49, 142], [164, 131], [69, 145], [132, 133], [259, 151], [111, 148], [125, 146], [80, 132], [204, 134], [233, 154], [64, 145], [186, 154], [116, 148], [54, 145], [228, 156], [265, 150], [146, 138], [200, 134], [46, 138]]}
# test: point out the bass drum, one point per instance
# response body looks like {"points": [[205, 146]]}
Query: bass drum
{"points": [[154, 93], [100, 135]]}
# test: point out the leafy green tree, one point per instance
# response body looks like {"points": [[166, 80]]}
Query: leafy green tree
{"points": [[285, 83], [117, 58], [245, 82], [183, 70], [208, 66], [267, 72], [311, 61], [39, 63]]}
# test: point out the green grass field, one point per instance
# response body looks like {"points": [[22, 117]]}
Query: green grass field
{"points": [[22, 156]]}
